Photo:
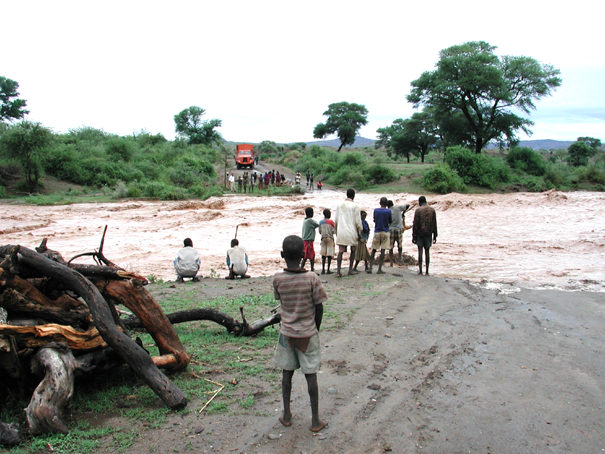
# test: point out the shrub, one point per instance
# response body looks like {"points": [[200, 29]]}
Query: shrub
{"points": [[477, 169], [579, 152], [2, 192], [379, 174], [442, 179], [558, 174], [527, 160], [591, 173], [119, 149]]}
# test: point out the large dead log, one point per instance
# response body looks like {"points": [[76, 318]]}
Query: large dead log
{"points": [[46, 410], [41, 335], [132, 295], [233, 326], [132, 354]]}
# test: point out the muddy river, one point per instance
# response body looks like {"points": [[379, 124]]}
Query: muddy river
{"points": [[545, 240]]}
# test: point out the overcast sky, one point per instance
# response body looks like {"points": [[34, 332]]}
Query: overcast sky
{"points": [[269, 69]]}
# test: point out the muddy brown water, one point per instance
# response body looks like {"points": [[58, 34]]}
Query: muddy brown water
{"points": [[546, 240]]}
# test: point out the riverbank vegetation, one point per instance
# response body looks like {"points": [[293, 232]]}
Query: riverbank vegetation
{"points": [[446, 147]]}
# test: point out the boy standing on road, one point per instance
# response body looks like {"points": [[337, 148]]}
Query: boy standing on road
{"points": [[326, 230], [301, 297], [308, 236]]}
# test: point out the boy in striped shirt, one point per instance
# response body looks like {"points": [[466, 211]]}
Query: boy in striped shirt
{"points": [[301, 297]]}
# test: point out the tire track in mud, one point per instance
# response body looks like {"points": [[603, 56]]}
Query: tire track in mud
{"points": [[380, 372]]}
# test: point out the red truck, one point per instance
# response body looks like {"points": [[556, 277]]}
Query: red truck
{"points": [[244, 155]]}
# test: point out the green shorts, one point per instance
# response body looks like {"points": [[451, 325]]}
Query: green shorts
{"points": [[288, 358]]}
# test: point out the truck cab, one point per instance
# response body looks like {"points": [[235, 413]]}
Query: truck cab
{"points": [[244, 155]]}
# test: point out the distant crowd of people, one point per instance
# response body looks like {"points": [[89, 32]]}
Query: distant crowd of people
{"points": [[248, 181]]}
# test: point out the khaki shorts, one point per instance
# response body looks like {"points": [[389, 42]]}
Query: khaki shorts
{"points": [[288, 358], [381, 240], [395, 238], [327, 247]]}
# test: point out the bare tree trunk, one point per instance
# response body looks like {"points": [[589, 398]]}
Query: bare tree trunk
{"points": [[46, 410], [135, 356]]}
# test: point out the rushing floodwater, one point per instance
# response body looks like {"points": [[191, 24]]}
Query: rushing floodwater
{"points": [[551, 239]]}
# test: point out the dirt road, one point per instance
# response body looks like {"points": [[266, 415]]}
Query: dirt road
{"points": [[433, 365]]}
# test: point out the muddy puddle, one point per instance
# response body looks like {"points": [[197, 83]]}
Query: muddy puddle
{"points": [[546, 240]]}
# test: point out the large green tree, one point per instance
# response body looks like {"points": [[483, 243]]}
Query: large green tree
{"points": [[470, 82], [580, 151], [416, 135], [344, 120], [11, 107], [189, 124], [25, 142]]}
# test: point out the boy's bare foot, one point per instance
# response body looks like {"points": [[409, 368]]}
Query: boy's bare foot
{"points": [[338, 274], [286, 421], [420, 273], [320, 426]]}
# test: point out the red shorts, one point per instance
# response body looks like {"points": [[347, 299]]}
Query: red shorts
{"points": [[308, 250]]}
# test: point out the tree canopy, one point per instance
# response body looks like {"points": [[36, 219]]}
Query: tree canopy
{"points": [[25, 142], [415, 135], [344, 120], [10, 109], [580, 151], [474, 89], [189, 124]]}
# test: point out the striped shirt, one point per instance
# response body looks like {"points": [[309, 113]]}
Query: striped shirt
{"points": [[298, 293]]}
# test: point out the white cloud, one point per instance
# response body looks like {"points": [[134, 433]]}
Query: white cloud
{"points": [[268, 69]]}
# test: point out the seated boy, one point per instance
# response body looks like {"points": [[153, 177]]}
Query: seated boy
{"points": [[301, 297]]}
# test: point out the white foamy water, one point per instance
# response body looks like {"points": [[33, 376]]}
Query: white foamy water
{"points": [[551, 239]]}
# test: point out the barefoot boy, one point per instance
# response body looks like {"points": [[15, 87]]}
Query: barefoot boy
{"points": [[301, 296], [308, 236], [326, 230]]}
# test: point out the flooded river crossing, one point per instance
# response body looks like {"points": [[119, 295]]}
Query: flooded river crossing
{"points": [[547, 240]]}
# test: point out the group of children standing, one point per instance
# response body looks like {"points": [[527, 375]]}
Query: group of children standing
{"points": [[389, 224]]}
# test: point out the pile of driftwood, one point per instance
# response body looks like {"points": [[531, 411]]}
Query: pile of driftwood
{"points": [[59, 319]]}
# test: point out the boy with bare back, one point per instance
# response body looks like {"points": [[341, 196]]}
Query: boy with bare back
{"points": [[301, 297]]}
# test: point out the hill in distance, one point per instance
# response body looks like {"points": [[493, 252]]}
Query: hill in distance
{"points": [[361, 142]]}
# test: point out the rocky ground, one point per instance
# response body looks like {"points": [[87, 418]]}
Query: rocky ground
{"points": [[427, 364]]}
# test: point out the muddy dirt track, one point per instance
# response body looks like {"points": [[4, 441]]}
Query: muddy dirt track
{"points": [[428, 365]]}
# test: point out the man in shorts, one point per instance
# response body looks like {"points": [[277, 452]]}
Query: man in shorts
{"points": [[396, 229], [301, 297], [382, 220], [348, 226], [424, 231]]}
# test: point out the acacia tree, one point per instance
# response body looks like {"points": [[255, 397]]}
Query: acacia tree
{"points": [[471, 82], [189, 124], [344, 120], [25, 142], [415, 135], [10, 109]]}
